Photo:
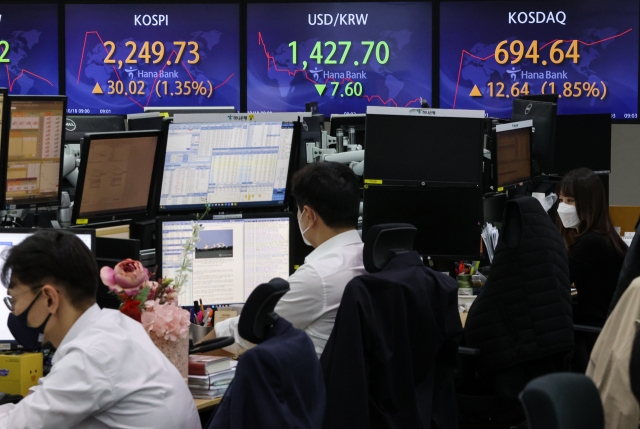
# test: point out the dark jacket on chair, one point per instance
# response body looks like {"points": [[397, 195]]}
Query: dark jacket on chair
{"points": [[524, 311], [390, 357], [278, 384]]}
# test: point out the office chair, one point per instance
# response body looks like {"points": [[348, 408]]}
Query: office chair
{"points": [[562, 401], [390, 358], [278, 383], [520, 326]]}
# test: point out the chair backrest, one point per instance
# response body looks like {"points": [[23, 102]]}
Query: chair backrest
{"points": [[385, 241], [258, 316], [562, 400], [278, 383], [400, 318]]}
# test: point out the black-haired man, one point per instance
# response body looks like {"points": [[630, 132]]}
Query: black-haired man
{"points": [[327, 196], [106, 373]]}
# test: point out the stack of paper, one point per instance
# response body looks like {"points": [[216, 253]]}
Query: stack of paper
{"points": [[212, 385], [628, 237], [490, 236]]}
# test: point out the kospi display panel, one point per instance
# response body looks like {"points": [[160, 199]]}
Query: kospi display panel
{"points": [[29, 48], [584, 51], [121, 58], [345, 56]]}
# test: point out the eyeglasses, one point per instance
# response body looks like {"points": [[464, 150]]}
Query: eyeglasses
{"points": [[9, 300]]}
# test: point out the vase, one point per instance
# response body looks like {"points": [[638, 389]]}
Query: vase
{"points": [[176, 351]]}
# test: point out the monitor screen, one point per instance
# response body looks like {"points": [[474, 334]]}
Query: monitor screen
{"points": [[431, 210], [116, 173], [543, 134], [29, 48], [421, 148], [344, 56], [11, 237], [582, 141], [586, 52], [121, 58], [36, 136], [232, 257], [226, 164], [513, 156]]}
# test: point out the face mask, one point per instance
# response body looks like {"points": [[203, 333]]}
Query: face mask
{"points": [[301, 231], [568, 215], [30, 338]]}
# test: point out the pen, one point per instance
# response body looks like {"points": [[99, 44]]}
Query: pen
{"points": [[201, 307], [207, 318]]}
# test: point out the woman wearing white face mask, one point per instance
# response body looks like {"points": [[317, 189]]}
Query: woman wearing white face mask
{"points": [[596, 251]]}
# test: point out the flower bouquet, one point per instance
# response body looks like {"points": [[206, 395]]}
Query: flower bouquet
{"points": [[155, 303]]}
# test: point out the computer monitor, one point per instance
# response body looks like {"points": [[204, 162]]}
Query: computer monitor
{"points": [[232, 164], [543, 115], [149, 123], [494, 208], [582, 141], [11, 237], [116, 174], [172, 110], [446, 147], [356, 121], [233, 256], [3, 130], [76, 126], [33, 154], [511, 155], [549, 98], [448, 218]]}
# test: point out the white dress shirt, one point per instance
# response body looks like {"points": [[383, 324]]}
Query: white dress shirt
{"points": [[107, 373], [316, 291]]}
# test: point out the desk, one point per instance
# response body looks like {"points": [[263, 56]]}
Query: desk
{"points": [[205, 404], [463, 317]]}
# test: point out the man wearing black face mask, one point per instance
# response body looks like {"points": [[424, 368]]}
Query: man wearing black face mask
{"points": [[106, 372]]}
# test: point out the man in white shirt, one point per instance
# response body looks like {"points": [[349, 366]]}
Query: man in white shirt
{"points": [[106, 372], [327, 196]]}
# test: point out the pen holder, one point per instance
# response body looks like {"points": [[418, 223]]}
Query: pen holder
{"points": [[197, 332], [465, 287]]}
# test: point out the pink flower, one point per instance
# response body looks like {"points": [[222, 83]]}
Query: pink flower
{"points": [[153, 289], [167, 321], [171, 296], [128, 276]]}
